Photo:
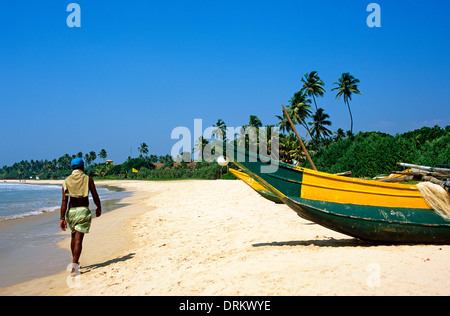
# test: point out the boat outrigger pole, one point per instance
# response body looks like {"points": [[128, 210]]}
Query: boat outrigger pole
{"points": [[440, 172], [298, 136]]}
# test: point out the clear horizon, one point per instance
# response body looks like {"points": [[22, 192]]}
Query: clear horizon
{"points": [[133, 72]]}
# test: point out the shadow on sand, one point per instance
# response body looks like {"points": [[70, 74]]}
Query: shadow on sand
{"points": [[91, 267], [325, 242]]}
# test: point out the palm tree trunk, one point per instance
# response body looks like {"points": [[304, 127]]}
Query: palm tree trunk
{"points": [[351, 117], [315, 102]]}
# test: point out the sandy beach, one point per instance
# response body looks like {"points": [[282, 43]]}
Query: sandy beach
{"points": [[221, 238]]}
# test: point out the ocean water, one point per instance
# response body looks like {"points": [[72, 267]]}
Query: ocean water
{"points": [[18, 200], [29, 229]]}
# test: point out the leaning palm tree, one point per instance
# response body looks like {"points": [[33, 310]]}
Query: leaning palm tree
{"points": [[346, 86], [313, 85], [319, 123]]}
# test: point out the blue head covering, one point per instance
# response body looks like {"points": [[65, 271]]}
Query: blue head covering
{"points": [[77, 163]]}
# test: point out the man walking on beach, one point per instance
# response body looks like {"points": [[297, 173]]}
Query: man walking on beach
{"points": [[78, 217]]}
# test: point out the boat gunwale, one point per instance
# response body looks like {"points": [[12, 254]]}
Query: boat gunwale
{"points": [[366, 182], [407, 187]]}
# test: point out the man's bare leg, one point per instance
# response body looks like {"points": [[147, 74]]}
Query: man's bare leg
{"points": [[76, 246]]}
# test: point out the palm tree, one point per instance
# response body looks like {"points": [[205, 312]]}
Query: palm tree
{"points": [[254, 121], [87, 158], [64, 162], [313, 85], [340, 134], [103, 154], [200, 145], [266, 134], [143, 149], [153, 158], [93, 156], [346, 86], [290, 148], [350, 134], [300, 108], [220, 131], [249, 132], [284, 124], [319, 123]]}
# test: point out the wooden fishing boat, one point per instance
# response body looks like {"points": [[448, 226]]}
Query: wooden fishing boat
{"points": [[255, 185], [369, 210]]}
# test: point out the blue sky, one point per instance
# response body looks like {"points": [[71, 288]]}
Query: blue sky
{"points": [[135, 70]]}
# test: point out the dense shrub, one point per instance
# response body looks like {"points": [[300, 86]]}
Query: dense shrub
{"points": [[372, 153]]}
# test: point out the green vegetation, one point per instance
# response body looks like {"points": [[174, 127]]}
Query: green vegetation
{"points": [[366, 154], [148, 167], [372, 153]]}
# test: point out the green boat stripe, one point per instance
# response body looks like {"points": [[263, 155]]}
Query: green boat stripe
{"points": [[374, 210]]}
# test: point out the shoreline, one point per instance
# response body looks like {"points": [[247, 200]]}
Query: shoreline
{"points": [[31, 214], [43, 226], [219, 237]]}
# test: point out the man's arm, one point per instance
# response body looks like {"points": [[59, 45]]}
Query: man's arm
{"points": [[95, 197], [65, 200]]}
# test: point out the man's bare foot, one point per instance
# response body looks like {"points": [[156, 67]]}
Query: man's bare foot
{"points": [[75, 270]]}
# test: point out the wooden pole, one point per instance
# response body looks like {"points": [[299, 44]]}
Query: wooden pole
{"points": [[298, 136], [444, 171]]}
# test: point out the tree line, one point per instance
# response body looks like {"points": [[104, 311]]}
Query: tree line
{"points": [[60, 168], [366, 154]]}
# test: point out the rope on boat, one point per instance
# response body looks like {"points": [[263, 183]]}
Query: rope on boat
{"points": [[436, 197]]}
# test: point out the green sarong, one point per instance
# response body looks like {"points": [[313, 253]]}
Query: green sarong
{"points": [[79, 219]]}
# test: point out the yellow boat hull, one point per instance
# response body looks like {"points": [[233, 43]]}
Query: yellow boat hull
{"points": [[255, 185]]}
